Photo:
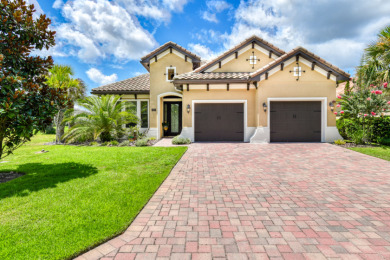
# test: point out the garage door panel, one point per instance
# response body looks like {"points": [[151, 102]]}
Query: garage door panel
{"points": [[295, 121], [219, 122]]}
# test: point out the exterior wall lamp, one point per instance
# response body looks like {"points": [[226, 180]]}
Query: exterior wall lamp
{"points": [[265, 107], [188, 108], [331, 105]]}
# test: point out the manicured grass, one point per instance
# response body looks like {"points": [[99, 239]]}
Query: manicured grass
{"points": [[382, 152], [73, 198]]}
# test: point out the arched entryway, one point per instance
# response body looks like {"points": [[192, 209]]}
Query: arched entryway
{"points": [[169, 119]]}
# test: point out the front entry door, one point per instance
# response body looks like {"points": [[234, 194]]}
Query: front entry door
{"points": [[173, 116]]}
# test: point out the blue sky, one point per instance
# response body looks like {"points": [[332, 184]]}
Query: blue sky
{"points": [[103, 40]]}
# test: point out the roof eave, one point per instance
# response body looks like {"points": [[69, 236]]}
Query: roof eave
{"points": [[206, 81], [237, 48], [339, 76], [118, 92], [147, 58]]}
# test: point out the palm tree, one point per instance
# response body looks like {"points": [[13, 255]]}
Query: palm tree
{"points": [[101, 117], [375, 66], [60, 77]]}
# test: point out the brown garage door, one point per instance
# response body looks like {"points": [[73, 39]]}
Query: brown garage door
{"points": [[219, 122], [295, 121]]}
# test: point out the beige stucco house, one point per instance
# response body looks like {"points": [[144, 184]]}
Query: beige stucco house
{"points": [[254, 92]]}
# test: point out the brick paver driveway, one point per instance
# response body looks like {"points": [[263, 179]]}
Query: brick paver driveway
{"points": [[246, 201]]}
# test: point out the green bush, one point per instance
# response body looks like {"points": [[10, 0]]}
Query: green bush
{"points": [[125, 143], [339, 142], [141, 142], [114, 143], [180, 140], [50, 130], [360, 130], [93, 143], [340, 123], [381, 129]]}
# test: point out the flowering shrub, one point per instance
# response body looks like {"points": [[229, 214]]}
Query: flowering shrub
{"points": [[361, 108], [364, 102]]}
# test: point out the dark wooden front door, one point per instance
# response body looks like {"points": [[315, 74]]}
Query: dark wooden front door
{"points": [[295, 121], [219, 122], [173, 116]]}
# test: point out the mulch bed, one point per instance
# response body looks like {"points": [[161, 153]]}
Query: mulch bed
{"points": [[150, 143], [352, 145], [8, 176]]}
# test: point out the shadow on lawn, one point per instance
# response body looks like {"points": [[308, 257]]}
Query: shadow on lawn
{"points": [[43, 176]]}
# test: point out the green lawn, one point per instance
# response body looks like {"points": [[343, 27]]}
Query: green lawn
{"points": [[382, 152], [73, 198]]}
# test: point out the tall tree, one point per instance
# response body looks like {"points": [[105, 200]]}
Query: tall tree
{"points": [[27, 104], [375, 66], [60, 78]]}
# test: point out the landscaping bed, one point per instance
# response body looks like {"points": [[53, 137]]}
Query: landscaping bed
{"points": [[72, 198]]}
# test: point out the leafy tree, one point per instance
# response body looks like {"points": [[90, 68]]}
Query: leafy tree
{"points": [[102, 117], [27, 104], [60, 78]]}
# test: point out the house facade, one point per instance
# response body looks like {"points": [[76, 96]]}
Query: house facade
{"points": [[254, 92]]}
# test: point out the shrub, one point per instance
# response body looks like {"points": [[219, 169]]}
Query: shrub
{"points": [[50, 130], [141, 142], [180, 140], [125, 143], [339, 142], [380, 129], [93, 143], [340, 123], [357, 137], [114, 143], [373, 129], [152, 138]]}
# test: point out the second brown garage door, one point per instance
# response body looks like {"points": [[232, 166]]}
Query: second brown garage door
{"points": [[295, 121], [219, 122]]}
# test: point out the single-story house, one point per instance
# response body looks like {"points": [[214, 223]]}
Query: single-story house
{"points": [[254, 92]]}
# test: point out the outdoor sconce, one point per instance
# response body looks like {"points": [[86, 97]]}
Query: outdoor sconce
{"points": [[331, 105], [188, 108], [265, 107]]}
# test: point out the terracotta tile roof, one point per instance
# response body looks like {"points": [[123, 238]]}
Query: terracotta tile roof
{"points": [[212, 76], [167, 45], [138, 84], [299, 50], [245, 42]]}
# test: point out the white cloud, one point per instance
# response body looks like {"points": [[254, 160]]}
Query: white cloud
{"points": [[103, 29], [209, 17], [204, 52], [96, 76], [175, 5], [337, 34], [218, 5], [58, 4], [149, 9], [213, 8]]}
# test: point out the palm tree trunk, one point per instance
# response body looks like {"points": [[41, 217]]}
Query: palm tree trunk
{"points": [[60, 128]]}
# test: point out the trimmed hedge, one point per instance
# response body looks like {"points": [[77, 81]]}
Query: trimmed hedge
{"points": [[377, 129], [180, 140]]}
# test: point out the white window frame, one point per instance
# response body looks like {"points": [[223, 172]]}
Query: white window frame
{"points": [[166, 73], [298, 71], [253, 59], [139, 110]]}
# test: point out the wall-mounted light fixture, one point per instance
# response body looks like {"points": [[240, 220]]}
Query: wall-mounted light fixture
{"points": [[188, 108], [331, 105], [265, 107]]}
